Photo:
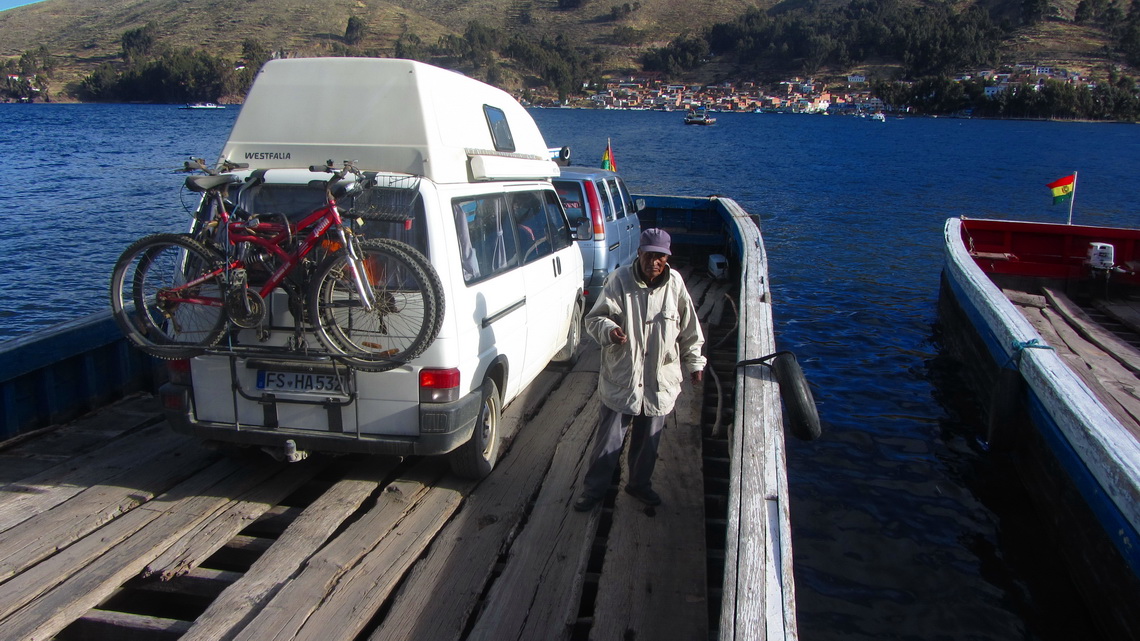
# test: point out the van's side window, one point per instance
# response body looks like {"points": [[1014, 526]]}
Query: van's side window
{"points": [[560, 235], [529, 211], [630, 208], [486, 240], [500, 128]]}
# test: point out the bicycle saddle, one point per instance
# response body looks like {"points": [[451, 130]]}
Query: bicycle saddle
{"points": [[206, 183]]}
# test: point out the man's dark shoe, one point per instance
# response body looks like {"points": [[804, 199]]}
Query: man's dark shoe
{"points": [[586, 502], [644, 494]]}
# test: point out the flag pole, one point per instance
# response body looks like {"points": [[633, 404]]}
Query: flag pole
{"points": [[1072, 198]]}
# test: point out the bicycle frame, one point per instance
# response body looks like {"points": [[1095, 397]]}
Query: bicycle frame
{"points": [[322, 221]]}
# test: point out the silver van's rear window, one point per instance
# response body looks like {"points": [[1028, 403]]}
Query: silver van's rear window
{"points": [[573, 200]]}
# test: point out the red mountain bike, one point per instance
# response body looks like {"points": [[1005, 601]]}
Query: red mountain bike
{"points": [[373, 304]]}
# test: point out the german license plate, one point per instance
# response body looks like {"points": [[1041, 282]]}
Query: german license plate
{"points": [[297, 382]]}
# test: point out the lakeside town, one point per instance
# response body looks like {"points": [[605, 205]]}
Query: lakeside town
{"points": [[855, 96]]}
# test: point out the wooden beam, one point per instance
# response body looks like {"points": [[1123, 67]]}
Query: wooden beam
{"points": [[240, 603], [466, 552]]}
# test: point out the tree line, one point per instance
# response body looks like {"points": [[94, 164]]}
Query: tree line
{"points": [[1114, 99], [928, 40]]}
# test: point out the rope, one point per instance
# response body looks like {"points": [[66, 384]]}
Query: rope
{"points": [[1019, 347]]}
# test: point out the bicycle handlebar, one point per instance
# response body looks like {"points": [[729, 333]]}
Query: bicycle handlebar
{"points": [[199, 164]]}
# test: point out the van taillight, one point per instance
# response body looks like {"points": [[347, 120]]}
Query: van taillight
{"points": [[178, 372], [439, 385], [595, 210]]}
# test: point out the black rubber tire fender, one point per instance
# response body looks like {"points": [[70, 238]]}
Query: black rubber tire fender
{"points": [[799, 404]]}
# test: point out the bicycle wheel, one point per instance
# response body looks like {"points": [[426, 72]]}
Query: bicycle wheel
{"points": [[417, 257], [166, 296], [404, 320]]}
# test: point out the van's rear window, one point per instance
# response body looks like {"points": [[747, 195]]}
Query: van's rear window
{"points": [[573, 200]]}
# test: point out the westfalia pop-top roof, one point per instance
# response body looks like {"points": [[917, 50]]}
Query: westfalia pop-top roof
{"points": [[386, 115]]}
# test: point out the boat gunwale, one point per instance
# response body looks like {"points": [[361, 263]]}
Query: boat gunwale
{"points": [[1106, 448], [758, 541]]}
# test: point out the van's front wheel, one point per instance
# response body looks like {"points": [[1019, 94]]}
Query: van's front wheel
{"points": [[476, 458], [569, 352]]}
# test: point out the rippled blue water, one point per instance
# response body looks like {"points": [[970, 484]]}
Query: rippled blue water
{"points": [[902, 528]]}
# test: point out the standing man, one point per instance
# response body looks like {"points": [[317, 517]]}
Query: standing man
{"points": [[648, 329]]}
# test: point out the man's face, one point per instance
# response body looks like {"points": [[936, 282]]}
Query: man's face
{"points": [[652, 263]]}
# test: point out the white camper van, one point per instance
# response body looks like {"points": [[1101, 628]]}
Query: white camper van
{"points": [[482, 210]]}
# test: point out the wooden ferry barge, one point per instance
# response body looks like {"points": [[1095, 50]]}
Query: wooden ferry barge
{"points": [[116, 527]]}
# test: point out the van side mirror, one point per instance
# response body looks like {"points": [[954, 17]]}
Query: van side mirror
{"points": [[584, 230], [639, 204]]}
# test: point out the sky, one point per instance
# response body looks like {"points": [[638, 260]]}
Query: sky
{"points": [[8, 4]]}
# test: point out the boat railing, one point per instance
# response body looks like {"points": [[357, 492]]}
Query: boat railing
{"points": [[758, 593], [54, 375]]}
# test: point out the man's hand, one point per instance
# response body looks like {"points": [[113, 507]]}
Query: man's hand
{"points": [[617, 337], [697, 376]]}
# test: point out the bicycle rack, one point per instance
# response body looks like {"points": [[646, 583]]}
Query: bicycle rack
{"points": [[284, 359]]}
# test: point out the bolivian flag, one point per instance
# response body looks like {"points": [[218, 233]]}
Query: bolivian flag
{"points": [[608, 158], [1063, 188]]}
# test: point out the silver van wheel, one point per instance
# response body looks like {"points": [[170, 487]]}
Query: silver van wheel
{"points": [[476, 458]]}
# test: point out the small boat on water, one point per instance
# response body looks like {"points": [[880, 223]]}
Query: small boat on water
{"points": [[878, 116], [203, 105], [1046, 320], [699, 117]]}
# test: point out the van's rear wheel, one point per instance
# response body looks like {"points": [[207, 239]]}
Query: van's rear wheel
{"points": [[476, 458]]}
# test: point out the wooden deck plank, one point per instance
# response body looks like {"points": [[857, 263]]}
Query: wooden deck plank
{"points": [[1111, 344], [124, 415], [463, 557], [357, 596], [211, 534], [16, 466], [45, 534], [1124, 311], [106, 625], [34, 495], [537, 594], [654, 582], [26, 586], [1113, 383], [285, 614], [69, 584], [240, 602]]}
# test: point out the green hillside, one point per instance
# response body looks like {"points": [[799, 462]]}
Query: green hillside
{"points": [[592, 38]]}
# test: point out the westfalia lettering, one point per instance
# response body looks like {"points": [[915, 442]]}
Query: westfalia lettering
{"points": [[268, 155]]}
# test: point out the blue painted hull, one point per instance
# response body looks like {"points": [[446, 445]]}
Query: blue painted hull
{"points": [[55, 375]]}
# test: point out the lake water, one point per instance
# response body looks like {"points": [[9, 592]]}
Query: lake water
{"points": [[903, 528]]}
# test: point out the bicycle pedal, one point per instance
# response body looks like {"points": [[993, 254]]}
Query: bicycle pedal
{"points": [[388, 352]]}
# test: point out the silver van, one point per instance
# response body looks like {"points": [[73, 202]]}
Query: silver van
{"points": [[600, 197]]}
